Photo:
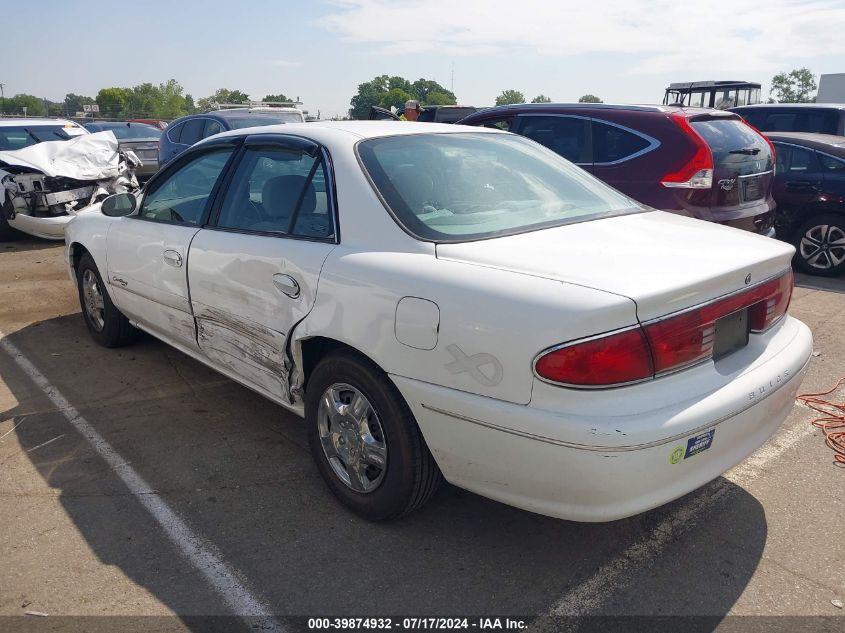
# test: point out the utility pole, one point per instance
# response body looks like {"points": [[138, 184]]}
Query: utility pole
{"points": [[2, 98], [452, 85]]}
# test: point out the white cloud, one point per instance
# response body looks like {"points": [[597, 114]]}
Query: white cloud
{"points": [[285, 63], [716, 39]]}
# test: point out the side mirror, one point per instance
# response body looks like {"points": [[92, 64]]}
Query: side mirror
{"points": [[119, 205]]}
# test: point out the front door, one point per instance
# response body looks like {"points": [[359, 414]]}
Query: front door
{"points": [[148, 251], [254, 270]]}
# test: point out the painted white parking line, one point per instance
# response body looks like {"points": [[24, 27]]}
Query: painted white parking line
{"points": [[587, 597], [200, 553]]}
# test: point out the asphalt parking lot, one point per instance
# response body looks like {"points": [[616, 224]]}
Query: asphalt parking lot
{"points": [[765, 539]]}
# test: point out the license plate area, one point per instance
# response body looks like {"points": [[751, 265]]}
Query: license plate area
{"points": [[752, 188], [731, 333]]}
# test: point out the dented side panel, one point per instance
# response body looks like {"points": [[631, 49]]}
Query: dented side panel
{"points": [[243, 313]]}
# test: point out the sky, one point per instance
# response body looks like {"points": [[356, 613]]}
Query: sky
{"points": [[624, 51]]}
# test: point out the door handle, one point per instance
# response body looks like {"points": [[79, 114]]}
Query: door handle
{"points": [[173, 258], [286, 284]]}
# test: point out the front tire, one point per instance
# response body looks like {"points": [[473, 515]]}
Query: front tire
{"points": [[365, 440], [7, 233], [820, 246], [104, 321]]}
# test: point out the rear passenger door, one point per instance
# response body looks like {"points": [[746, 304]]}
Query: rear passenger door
{"points": [[798, 176], [564, 134], [253, 269]]}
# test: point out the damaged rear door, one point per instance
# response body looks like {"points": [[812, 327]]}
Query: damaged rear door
{"points": [[253, 270]]}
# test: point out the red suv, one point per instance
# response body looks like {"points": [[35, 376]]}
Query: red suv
{"points": [[703, 163]]}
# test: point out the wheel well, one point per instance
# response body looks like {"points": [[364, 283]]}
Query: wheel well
{"points": [[318, 347], [76, 253]]}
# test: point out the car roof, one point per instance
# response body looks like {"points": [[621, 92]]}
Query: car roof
{"points": [[826, 142], [553, 107], [728, 83], [356, 129], [31, 121], [832, 106]]}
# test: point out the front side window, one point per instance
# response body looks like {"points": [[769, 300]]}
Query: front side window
{"points": [[612, 144], [503, 124], [464, 186], [564, 135], [278, 190], [182, 197]]}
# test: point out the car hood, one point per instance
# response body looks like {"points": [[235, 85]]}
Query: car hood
{"points": [[663, 262]]}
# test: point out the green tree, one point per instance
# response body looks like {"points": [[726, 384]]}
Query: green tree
{"points": [[113, 102], [171, 103], [510, 96], [144, 101], [223, 95], [432, 93], [794, 86], [73, 103], [590, 99], [395, 97], [281, 97], [190, 107], [541, 99], [369, 93], [440, 98], [34, 105]]}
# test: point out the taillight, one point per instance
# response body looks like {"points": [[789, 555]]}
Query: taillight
{"points": [[609, 360], [665, 344], [697, 172]]}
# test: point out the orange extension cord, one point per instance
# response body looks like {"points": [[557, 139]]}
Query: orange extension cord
{"points": [[832, 422]]}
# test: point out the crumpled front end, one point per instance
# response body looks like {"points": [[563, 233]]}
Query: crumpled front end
{"points": [[45, 186]]}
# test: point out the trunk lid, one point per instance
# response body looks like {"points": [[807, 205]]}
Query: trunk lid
{"points": [[743, 165], [663, 262]]}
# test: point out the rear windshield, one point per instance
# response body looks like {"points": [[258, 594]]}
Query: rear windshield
{"points": [[18, 137], [735, 144], [465, 186], [126, 131], [254, 121]]}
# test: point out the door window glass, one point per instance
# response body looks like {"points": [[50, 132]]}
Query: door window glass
{"points": [[182, 197], [564, 135], [192, 131], [212, 127], [174, 133], [612, 144], [831, 164], [499, 124], [798, 160], [278, 190]]}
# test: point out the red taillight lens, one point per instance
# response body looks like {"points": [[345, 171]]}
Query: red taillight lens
{"points": [[664, 345], [610, 360], [697, 172]]}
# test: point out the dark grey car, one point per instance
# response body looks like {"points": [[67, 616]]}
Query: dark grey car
{"points": [[138, 137]]}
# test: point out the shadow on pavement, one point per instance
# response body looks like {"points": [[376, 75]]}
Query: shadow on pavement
{"points": [[236, 468]]}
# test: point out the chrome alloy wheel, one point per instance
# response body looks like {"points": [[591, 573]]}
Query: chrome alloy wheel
{"points": [[352, 437], [823, 246], [93, 298]]}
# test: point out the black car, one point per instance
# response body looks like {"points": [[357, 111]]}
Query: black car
{"points": [[818, 118], [810, 193]]}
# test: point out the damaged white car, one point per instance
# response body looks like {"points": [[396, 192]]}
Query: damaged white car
{"points": [[45, 185]]}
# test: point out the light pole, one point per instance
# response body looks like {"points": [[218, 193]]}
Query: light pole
{"points": [[2, 98]]}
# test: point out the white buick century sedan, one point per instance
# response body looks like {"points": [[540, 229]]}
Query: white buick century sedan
{"points": [[450, 302]]}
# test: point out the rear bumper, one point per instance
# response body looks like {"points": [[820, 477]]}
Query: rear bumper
{"points": [[587, 468]]}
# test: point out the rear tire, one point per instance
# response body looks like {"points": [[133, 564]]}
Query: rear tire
{"points": [[104, 321], [384, 472], [820, 246]]}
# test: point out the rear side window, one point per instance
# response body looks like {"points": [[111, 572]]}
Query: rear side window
{"points": [[735, 145], [805, 120], [564, 135], [612, 144], [796, 160], [174, 132], [212, 127], [831, 164], [278, 190], [192, 131]]}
